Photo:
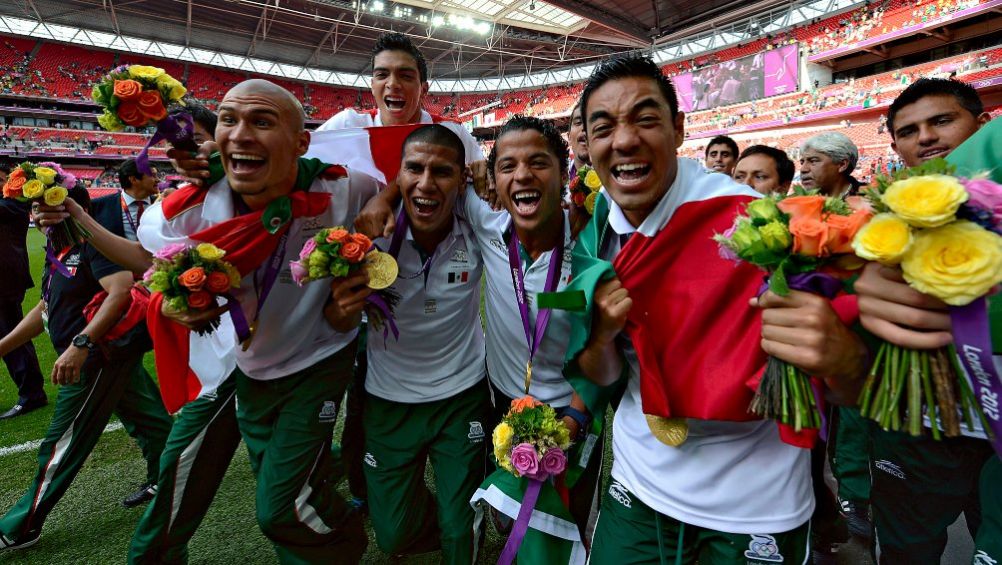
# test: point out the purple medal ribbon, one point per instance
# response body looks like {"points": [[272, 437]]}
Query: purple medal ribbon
{"points": [[521, 525], [272, 268], [974, 348], [55, 264], [403, 224], [534, 335], [177, 129]]}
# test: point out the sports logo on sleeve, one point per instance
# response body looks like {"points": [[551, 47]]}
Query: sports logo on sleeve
{"points": [[763, 548]]}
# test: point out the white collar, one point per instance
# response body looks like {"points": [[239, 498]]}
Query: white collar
{"points": [[129, 200]]}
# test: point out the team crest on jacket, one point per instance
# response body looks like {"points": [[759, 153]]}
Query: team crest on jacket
{"points": [[328, 413], [476, 432], [763, 548]]}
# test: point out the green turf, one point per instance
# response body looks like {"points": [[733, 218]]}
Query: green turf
{"points": [[89, 525]]}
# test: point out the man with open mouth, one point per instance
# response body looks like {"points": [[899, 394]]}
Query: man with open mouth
{"points": [[681, 457], [425, 392], [293, 364]]}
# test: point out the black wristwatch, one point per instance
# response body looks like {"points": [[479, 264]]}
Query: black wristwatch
{"points": [[82, 341], [583, 420]]}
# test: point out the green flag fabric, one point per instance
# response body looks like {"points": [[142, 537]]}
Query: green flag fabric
{"points": [[981, 153], [552, 537]]}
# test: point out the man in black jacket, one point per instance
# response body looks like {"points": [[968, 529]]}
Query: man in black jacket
{"points": [[22, 363]]}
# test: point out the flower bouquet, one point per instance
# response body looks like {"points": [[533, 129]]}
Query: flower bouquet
{"points": [[944, 233], [530, 445], [46, 183], [336, 252], [139, 95], [584, 188], [191, 278], [804, 242]]}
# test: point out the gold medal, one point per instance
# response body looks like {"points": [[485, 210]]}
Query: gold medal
{"points": [[247, 342], [382, 269], [669, 431]]}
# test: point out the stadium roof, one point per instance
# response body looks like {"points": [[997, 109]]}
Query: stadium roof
{"points": [[471, 45]]}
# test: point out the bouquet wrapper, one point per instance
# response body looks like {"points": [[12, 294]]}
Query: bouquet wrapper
{"points": [[552, 537], [177, 129]]}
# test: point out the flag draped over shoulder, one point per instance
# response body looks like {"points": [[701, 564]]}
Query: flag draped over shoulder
{"points": [[248, 243]]}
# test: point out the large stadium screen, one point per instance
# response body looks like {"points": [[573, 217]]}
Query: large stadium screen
{"points": [[741, 80]]}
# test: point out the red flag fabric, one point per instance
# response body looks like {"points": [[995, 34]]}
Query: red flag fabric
{"points": [[705, 355], [178, 383]]}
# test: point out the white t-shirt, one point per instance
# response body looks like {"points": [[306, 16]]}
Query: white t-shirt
{"points": [[736, 477], [440, 352], [212, 356], [507, 350], [351, 118], [292, 333]]}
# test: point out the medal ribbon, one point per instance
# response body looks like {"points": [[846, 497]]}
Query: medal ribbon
{"points": [[399, 231], [974, 348], [534, 335], [263, 288]]}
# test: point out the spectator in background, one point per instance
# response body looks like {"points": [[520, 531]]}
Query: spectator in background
{"points": [[826, 164], [578, 140], [22, 363], [766, 169], [721, 155]]}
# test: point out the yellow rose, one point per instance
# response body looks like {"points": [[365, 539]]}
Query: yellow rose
{"points": [[209, 252], [502, 437], [592, 181], [55, 196], [956, 263], [175, 90], [884, 238], [45, 174], [110, 122], [233, 273], [145, 71], [928, 201], [33, 188]]}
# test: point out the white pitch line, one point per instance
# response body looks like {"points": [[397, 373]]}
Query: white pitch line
{"points": [[33, 445]]}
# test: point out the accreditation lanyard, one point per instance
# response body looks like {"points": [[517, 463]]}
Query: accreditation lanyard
{"points": [[264, 283], [134, 223], [399, 231], [533, 335]]}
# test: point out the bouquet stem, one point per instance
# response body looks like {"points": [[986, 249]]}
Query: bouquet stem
{"points": [[785, 394], [905, 385]]}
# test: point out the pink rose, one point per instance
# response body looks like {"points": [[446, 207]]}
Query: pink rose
{"points": [[170, 250], [525, 461], [309, 247], [299, 272], [986, 195], [554, 461], [726, 252]]}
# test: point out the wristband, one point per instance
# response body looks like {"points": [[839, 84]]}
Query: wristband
{"points": [[583, 420]]}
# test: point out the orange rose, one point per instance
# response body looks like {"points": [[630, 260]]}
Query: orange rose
{"points": [[579, 198], [199, 300], [802, 206], [810, 236], [18, 173], [152, 105], [840, 234], [520, 404], [218, 282], [352, 252], [11, 192], [362, 240], [193, 278], [127, 89], [130, 113], [338, 235], [16, 180]]}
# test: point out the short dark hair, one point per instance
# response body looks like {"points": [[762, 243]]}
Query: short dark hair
{"points": [[554, 140], [784, 165], [627, 67], [723, 140], [128, 170], [400, 42], [965, 94], [437, 134], [200, 114]]}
